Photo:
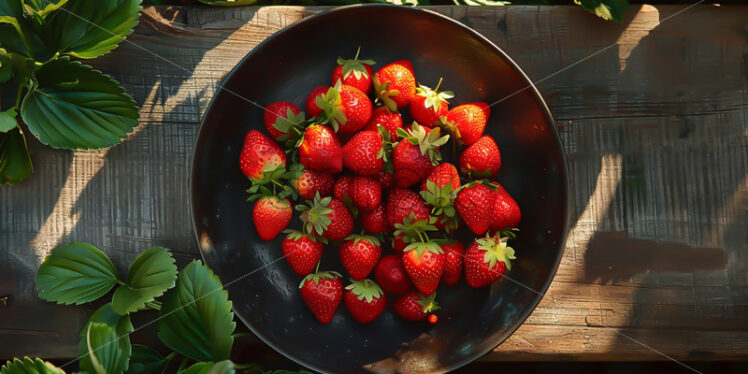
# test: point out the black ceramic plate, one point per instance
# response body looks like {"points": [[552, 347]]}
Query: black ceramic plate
{"points": [[263, 288]]}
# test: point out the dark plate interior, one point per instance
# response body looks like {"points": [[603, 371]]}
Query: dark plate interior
{"points": [[286, 67]]}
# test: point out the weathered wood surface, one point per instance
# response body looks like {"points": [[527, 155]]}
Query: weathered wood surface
{"points": [[655, 127]]}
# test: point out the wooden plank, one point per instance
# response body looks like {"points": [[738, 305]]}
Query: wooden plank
{"points": [[654, 126]]}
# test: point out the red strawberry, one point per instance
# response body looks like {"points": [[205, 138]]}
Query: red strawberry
{"points": [[271, 215], [391, 275], [364, 154], [473, 204], [320, 150], [366, 193], [364, 300], [453, 262], [470, 120], [260, 154], [373, 220], [322, 292], [342, 189], [312, 109], [385, 178], [310, 182], [506, 213], [302, 251], [415, 155], [398, 243], [346, 108], [439, 190], [481, 159], [414, 307], [356, 73], [401, 203], [327, 217], [279, 117], [424, 263], [430, 105], [391, 121], [486, 260], [359, 255], [395, 84]]}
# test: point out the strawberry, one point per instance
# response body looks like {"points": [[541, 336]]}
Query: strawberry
{"points": [[391, 275], [365, 154], [415, 156], [453, 261], [279, 117], [401, 203], [320, 150], [373, 220], [385, 178], [398, 243], [506, 213], [395, 84], [429, 105], [366, 193], [473, 204], [390, 121], [342, 189], [322, 292], [439, 190], [359, 255], [364, 300], [260, 154], [271, 215], [302, 251], [310, 182], [486, 260], [327, 217], [469, 121], [356, 73], [424, 263], [413, 306], [312, 109], [346, 108], [481, 159]]}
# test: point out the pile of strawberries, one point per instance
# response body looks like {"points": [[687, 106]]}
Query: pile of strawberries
{"points": [[350, 159]]}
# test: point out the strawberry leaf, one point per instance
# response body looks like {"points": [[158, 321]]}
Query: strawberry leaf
{"points": [[365, 289], [29, 366]]}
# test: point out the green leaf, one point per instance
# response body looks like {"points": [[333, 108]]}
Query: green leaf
{"points": [[29, 366], [87, 30], [605, 9], [121, 324], [15, 161], [77, 107], [43, 7], [146, 360], [105, 314], [228, 2], [107, 351], [196, 318], [150, 275], [221, 367], [75, 273], [8, 120]]}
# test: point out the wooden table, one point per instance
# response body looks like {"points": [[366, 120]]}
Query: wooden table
{"points": [[654, 124]]}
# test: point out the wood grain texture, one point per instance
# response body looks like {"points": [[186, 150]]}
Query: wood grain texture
{"points": [[654, 121]]}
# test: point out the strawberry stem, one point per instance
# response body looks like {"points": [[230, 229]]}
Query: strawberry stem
{"points": [[358, 50], [438, 84]]}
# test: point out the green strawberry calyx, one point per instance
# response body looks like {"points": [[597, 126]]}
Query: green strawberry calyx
{"points": [[315, 213], [428, 142], [496, 249], [365, 289], [295, 235], [275, 181], [333, 111], [434, 97], [421, 247], [441, 198], [384, 94], [385, 153], [428, 303], [317, 276], [366, 238], [291, 125], [355, 66], [414, 231]]}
